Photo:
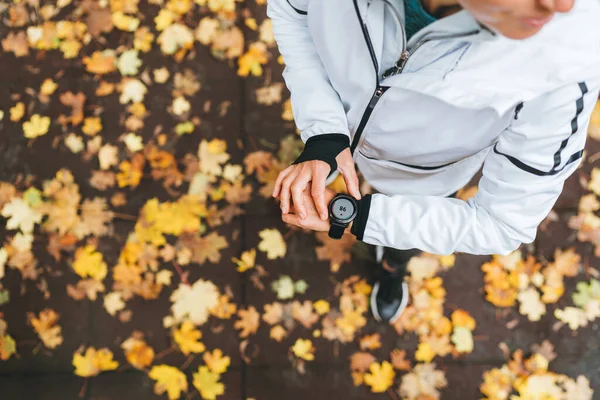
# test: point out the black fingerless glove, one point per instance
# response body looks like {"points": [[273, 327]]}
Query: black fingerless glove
{"points": [[324, 147]]}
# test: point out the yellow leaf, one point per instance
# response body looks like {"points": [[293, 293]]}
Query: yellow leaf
{"points": [[370, 342], [253, 60], [272, 243], [91, 126], [168, 379], [175, 37], [89, 262], [463, 318], [47, 328], [138, 353], [303, 348], [17, 112], [216, 362], [424, 352], [48, 87], [380, 377], [125, 22], [277, 333], [36, 126], [208, 383], [531, 305], [447, 261], [321, 307], [8, 346], [93, 362], [594, 127], [246, 261], [187, 337], [101, 62]]}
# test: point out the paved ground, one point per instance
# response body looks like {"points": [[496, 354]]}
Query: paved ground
{"points": [[46, 375]]}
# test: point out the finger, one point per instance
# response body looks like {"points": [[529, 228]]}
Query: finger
{"points": [[285, 190], [298, 191], [351, 179], [318, 189], [280, 178]]}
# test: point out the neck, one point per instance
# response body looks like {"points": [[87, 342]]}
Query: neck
{"points": [[441, 8]]}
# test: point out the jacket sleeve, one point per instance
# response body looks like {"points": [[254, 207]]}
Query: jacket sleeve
{"points": [[522, 178], [316, 106]]}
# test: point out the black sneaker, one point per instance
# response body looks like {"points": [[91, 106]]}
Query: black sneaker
{"points": [[389, 297]]}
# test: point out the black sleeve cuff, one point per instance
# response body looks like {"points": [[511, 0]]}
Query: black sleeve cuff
{"points": [[324, 147], [362, 215]]}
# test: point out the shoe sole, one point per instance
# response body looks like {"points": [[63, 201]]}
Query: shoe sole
{"points": [[398, 312]]}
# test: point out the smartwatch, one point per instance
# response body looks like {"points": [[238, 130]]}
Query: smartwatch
{"points": [[342, 211]]}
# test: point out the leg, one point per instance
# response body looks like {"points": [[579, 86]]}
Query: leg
{"points": [[390, 293]]}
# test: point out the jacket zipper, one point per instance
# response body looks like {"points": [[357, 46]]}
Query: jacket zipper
{"points": [[398, 66]]}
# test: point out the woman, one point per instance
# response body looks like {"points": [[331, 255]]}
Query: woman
{"points": [[421, 95]]}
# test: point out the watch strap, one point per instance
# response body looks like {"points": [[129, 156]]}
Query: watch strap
{"points": [[336, 230]]}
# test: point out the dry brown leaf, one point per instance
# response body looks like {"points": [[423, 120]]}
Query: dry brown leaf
{"points": [[399, 360], [370, 342], [17, 43], [361, 361], [336, 251], [248, 322]]}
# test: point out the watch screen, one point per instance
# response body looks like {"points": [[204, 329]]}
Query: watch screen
{"points": [[343, 209]]}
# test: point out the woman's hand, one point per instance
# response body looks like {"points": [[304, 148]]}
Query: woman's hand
{"points": [[295, 179], [312, 220]]}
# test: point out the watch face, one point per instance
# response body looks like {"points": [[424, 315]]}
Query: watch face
{"points": [[342, 209]]}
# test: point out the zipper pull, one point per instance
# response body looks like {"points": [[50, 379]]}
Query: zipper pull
{"points": [[403, 58]]}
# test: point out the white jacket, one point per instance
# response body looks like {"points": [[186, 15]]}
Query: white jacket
{"points": [[465, 97]]}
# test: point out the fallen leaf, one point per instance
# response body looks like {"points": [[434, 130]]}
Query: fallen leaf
{"points": [[248, 322], [380, 377], [93, 362], [187, 337], [272, 243], [207, 383], [168, 379]]}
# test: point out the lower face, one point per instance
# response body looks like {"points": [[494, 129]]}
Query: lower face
{"points": [[516, 19]]}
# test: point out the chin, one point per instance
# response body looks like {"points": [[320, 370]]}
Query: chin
{"points": [[519, 34]]}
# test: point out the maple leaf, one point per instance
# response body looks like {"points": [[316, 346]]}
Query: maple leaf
{"points": [[133, 90], [194, 301], [89, 262], [125, 22], [361, 361], [21, 215], [321, 307], [17, 43], [211, 155], [207, 383], [8, 347], [47, 328], [36, 126], [463, 319], [284, 287], [380, 377], [246, 260], [91, 126], [424, 352], [336, 251], [101, 62], [207, 248], [399, 361], [303, 348], [216, 362], [252, 61], [175, 37], [248, 322], [572, 316], [303, 313], [129, 62], [531, 305], [168, 379], [277, 333], [85, 288], [272, 243], [76, 102], [137, 352], [273, 313], [424, 381], [113, 302], [93, 362], [462, 339], [370, 342], [187, 337]]}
